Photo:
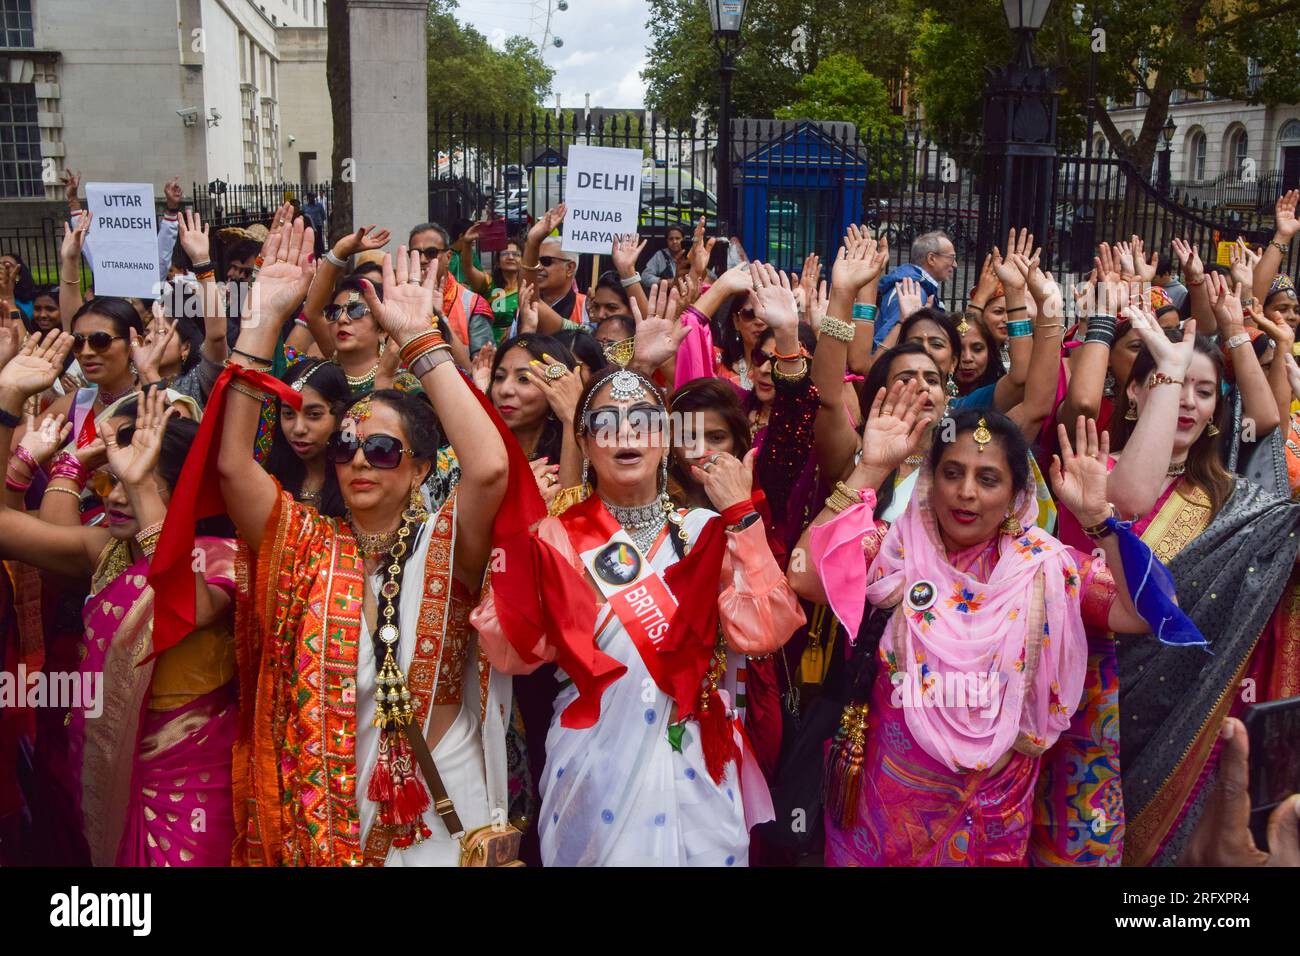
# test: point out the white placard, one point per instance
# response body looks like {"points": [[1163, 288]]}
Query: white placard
{"points": [[602, 190], [125, 236]]}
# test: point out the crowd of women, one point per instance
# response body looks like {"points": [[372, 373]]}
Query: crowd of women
{"points": [[388, 558]]}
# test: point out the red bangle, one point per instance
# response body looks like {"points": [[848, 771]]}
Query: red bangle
{"points": [[737, 511]]}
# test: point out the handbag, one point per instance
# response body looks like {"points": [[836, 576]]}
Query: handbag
{"points": [[492, 844]]}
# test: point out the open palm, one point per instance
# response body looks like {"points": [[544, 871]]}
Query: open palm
{"points": [[1079, 473], [134, 463], [286, 273], [774, 300], [407, 308], [37, 365], [894, 426]]}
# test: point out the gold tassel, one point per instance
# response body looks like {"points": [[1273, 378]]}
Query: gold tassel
{"points": [[844, 767]]}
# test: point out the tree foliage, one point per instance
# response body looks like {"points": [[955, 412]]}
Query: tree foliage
{"points": [[841, 89]]}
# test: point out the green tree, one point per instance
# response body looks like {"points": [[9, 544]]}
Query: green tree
{"points": [[841, 89], [1155, 48], [468, 77], [784, 40]]}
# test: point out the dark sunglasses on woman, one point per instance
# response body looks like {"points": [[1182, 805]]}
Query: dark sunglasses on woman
{"points": [[641, 420], [382, 451], [758, 358], [99, 341], [355, 310]]}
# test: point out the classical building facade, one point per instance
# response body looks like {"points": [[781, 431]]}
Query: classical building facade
{"points": [[142, 90]]}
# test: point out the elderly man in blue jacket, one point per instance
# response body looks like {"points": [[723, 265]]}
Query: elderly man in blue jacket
{"points": [[933, 262]]}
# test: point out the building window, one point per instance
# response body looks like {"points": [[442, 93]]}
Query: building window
{"points": [[1196, 156], [20, 142], [1240, 149], [18, 30]]}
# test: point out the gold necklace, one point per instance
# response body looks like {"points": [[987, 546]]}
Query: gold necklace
{"points": [[373, 545], [361, 381], [913, 459]]}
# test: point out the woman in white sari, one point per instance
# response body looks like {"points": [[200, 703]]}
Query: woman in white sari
{"points": [[646, 762]]}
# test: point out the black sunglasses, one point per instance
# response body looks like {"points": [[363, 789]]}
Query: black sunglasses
{"points": [[758, 358], [432, 252], [641, 420], [99, 341], [355, 310], [549, 261], [382, 451]]}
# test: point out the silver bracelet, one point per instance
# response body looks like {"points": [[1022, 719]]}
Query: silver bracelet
{"points": [[633, 279], [430, 360], [334, 260], [1241, 338]]}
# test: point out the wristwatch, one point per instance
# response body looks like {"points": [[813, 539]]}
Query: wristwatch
{"points": [[744, 522]]}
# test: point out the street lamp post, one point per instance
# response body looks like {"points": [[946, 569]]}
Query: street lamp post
{"points": [[725, 17], [1167, 135], [1019, 134]]}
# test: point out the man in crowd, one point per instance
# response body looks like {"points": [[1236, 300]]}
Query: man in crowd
{"points": [[1176, 291], [467, 312], [933, 261]]}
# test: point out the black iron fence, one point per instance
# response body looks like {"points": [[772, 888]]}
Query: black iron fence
{"points": [[37, 246], [1232, 193], [797, 184]]}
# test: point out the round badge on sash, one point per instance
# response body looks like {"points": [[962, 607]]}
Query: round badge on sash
{"points": [[618, 564], [922, 595]]}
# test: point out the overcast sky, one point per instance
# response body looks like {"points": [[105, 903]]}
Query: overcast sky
{"points": [[604, 44]]}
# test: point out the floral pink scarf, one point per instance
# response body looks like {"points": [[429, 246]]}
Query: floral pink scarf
{"points": [[995, 654]]}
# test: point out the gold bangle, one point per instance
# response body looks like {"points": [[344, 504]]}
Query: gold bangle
{"points": [[798, 376], [245, 390], [66, 491], [837, 329]]}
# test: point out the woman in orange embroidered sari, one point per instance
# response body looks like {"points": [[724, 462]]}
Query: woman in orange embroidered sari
{"points": [[355, 629], [151, 744]]}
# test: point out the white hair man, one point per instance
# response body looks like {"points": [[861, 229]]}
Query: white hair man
{"points": [[933, 261]]}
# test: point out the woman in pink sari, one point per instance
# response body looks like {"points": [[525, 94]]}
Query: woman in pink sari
{"points": [[983, 650], [152, 732]]}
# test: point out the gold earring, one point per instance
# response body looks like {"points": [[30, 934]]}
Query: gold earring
{"points": [[1212, 429], [1131, 415], [416, 509], [1011, 525]]}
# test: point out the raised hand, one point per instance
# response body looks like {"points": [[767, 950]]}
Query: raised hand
{"points": [[1281, 333], [1079, 472], [527, 307], [407, 306], [93, 456], [627, 249], [135, 463], [1242, 261], [895, 427], [812, 270], [548, 223], [147, 353], [726, 479], [8, 279], [363, 240], [481, 367], [71, 183], [1225, 299], [773, 299], [1124, 252], [1189, 260], [701, 249], [193, 236], [1172, 358], [36, 365], [1108, 265], [657, 335], [547, 477], [818, 307], [857, 263], [1007, 273], [74, 240], [43, 439], [1144, 267], [12, 335], [561, 386], [911, 297], [286, 273], [173, 194], [988, 282], [1285, 223], [1292, 374]]}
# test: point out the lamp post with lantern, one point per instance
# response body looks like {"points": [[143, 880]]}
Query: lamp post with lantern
{"points": [[1167, 137], [725, 18], [1020, 106]]}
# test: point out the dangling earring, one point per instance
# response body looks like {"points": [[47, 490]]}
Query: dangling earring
{"points": [[1011, 524], [1108, 389], [1131, 415], [951, 387], [416, 511], [664, 501], [1212, 429], [586, 465]]}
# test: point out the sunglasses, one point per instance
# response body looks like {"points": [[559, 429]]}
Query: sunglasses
{"points": [[641, 420], [102, 483], [549, 261], [432, 252], [99, 341], [758, 358], [355, 310], [382, 451]]}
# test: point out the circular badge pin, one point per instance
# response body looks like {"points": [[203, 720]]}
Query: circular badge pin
{"points": [[921, 596], [618, 564]]}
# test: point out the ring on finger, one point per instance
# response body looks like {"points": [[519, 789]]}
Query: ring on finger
{"points": [[556, 370]]}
